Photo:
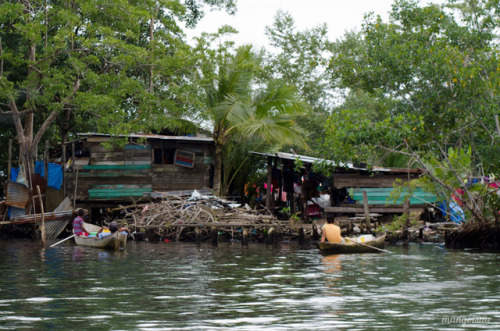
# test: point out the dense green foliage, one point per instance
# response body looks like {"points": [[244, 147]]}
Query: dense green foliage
{"points": [[432, 77], [420, 90], [123, 67], [107, 66], [244, 118], [301, 58], [438, 74]]}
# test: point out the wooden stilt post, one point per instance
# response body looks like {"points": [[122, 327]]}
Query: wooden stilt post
{"points": [[367, 211], [271, 233], [244, 239], [301, 236], [406, 209], [269, 193], [197, 235], [280, 198], [215, 236], [64, 167], [30, 184], [73, 155], [76, 186], [73, 173], [43, 215], [46, 162], [275, 238], [9, 165], [315, 234], [406, 213]]}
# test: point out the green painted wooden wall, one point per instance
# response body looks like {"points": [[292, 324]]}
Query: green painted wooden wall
{"points": [[380, 196]]}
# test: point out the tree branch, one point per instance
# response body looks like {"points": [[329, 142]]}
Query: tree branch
{"points": [[470, 201], [394, 150], [498, 125], [17, 122], [48, 121]]}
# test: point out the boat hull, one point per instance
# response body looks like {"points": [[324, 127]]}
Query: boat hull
{"points": [[353, 247], [116, 241]]}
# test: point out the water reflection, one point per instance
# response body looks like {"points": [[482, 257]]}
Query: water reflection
{"points": [[179, 286], [78, 254], [332, 266]]}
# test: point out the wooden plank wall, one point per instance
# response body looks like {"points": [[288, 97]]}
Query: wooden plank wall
{"points": [[362, 180], [127, 172], [381, 196], [171, 177]]}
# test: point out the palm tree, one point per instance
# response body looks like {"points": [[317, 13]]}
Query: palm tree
{"points": [[238, 112]]}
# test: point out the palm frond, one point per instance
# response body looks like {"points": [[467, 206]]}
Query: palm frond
{"points": [[278, 100]]}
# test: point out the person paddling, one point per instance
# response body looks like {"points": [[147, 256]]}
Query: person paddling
{"points": [[331, 232], [78, 227]]}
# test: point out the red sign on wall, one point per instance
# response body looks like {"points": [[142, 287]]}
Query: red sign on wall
{"points": [[184, 159]]}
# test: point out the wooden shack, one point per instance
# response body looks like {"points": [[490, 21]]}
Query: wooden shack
{"points": [[346, 186], [102, 177]]}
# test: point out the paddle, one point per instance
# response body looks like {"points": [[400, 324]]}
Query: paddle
{"points": [[57, 243], [378, 249]]}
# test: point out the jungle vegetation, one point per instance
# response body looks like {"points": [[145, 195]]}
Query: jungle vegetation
{"points": [[420, 90]]}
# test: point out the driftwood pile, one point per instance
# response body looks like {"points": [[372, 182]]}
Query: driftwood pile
{"points": [[169, 216]]}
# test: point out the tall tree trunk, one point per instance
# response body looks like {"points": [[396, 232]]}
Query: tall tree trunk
{"points": [[26, 149], [218, 169]]}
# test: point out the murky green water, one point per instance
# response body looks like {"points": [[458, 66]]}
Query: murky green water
{"points": [[167, 286]]}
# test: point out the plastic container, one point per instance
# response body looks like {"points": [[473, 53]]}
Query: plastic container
{"points": [[365, 238]]}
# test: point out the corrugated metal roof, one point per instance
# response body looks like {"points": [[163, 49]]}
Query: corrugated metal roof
{"points": [[310, 159], [54, 228], [306, 159], [153, 136], [17, 195], [48, 217], [65, 205]]}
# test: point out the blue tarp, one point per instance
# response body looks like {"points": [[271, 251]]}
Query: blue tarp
{"points": [[55, 174], [456, 212], [13, 174]]}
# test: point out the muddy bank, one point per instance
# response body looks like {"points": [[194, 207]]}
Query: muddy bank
{"points": [[483, 236], [415, 236]]}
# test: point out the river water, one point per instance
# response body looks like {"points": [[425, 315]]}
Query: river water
{"points": [[169, 286]]}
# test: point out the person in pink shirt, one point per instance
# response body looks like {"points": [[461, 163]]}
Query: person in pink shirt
{"points": [[78, 227]]}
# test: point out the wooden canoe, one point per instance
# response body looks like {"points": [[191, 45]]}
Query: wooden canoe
{"points": [[116, 241], [353, 247]]}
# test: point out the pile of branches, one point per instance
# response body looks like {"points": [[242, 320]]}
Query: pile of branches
{"points": [[170, 216]]}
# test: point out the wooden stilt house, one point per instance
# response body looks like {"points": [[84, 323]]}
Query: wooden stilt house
{"points": [[353, 189], [100, 176]]}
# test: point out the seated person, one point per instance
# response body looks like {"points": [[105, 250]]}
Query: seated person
{"points": [[124, 231], [331, 232], [78, 227], [113, 227], [103, 232]]}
